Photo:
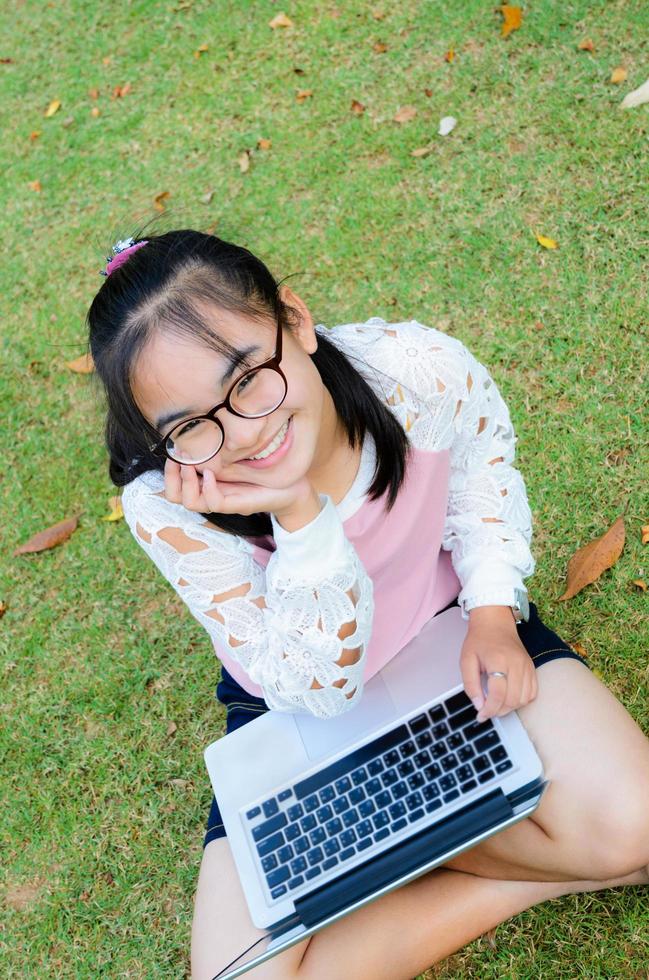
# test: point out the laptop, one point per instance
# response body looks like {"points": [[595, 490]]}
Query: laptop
{"points": [[334, 813]]}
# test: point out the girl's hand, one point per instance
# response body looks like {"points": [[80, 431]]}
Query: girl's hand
{"points": [[205, 494], [493, 646]]}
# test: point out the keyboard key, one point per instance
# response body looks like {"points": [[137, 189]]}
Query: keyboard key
{"points": [[331, 847], [399, 825], [311, 803], [380, 820], [484, 777], [334, 827], [362, 844], [284, 795], [440, 731], [298, 865], [269, 862], [308, 823], [301, 845], [341, 804], [375, 767], [285, 854], [457, 702], [423, 740], [431, 792], [367, 808], [270, 807], [465, 753], [323, 814], [414, 801], [498, 754], [296, 882], [432, 772], [433, 805], [397, 810], [381, 834], [503, 766], [329, 863], [278, 892], [350, 762], [481, 763], [292, 831], [278, 877], [312, 873], [447, 782], [405, 768], [383, 799], [422, 759], [437, 714], [408, 748], [390, 777], [356, 795], [317, 836], [453, 795], [343, 785], [399, 790], [269, 826], [359, 776], [478, 728], [464, 772], [449, 762], [347, 838], [455, 740], [487, 741], [349, 852], [350, 818], [251, 814], [418, 724], [468, 786], [415, 815], [295, 812], [315, 856], [326, 794], [373, 786], [438, 749], [462, 718], [391, 758], [364, 828], [270, 844]]}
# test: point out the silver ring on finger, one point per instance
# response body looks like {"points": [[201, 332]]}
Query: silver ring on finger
{"points": [[496, 673]]}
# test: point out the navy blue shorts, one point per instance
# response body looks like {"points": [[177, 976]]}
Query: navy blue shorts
{"points": [[537, 638]]}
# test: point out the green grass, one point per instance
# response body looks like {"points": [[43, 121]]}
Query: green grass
{"points": [[100, 848]]}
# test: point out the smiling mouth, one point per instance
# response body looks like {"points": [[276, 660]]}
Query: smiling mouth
{"points": [[284, 426]]}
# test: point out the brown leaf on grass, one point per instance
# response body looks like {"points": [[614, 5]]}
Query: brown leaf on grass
{"points": [[49, 538], [3, 608], [35, 185], [35, 133], [180, 783], [244, 161], [618, 75], [546, 242], [378, 14], [281, 20], [158, 200], [645, 533], [588, 563], [52, 108], [586, 45], [580, 649], [94, 93], [422, 151], [304, 93], [263, 144], [512, 19], [6, 61], [116, 512], [119, 91], [172, 728], [357, 107], [450, 55], [405, 114], [380, 47], [95, 111], [82, 365], [200, 50], [640, 583]]}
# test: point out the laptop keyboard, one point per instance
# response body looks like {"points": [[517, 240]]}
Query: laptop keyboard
{"points": [[324, 821]]}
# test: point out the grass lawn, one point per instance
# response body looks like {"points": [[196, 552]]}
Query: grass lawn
{"points": [[103, 816]]}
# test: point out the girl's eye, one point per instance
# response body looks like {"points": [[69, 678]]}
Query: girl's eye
{"points": [[244, 384], [187, 428]]}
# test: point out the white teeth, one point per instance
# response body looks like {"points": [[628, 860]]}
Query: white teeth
{"points": [[275, 444]]}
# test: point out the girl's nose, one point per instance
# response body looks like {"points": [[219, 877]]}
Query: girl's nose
{"points": [[243, 436]]}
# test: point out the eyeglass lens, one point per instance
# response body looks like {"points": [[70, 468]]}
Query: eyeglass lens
{"points": [[197, 440]]}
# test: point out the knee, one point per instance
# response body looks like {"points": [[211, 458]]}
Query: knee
{"points": [[618, 840]]}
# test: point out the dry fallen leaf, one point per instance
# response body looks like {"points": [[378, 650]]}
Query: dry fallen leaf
{"points": [[49, 538], [116, 512], [588, 563], [580, 649], [380, 47], [159, 198], [357, 107], [3, 609], [35, 185], [121, 90], [450, 55], [35, 133], [82, 365], [546, 242], [263, 144], [95, 111], [244, 161], [304, 93], [378, 14], [172, 727], [200, 50], [645, 533], [94, 93], [422, 151], [52, 108], [638, 97], [405, 114], [281, 20], [512, 19], [206, 198], [180, 783], [618, 75], [586, 45], [641, 584]]}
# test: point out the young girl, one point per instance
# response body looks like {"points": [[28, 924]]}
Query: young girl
{"points": [[315, 496]]}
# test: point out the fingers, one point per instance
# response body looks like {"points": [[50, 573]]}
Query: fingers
{"points": [[496, 697], [472, 682], [173, 483]]}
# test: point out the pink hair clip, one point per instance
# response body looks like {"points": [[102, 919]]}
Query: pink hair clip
{"points": [[122, 251]]}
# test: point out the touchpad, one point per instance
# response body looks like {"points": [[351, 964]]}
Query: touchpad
{"points": [[324, 736]]}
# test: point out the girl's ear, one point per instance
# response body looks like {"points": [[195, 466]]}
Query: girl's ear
{"points": [[303, 329]]}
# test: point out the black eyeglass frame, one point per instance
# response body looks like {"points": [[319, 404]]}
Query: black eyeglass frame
{"points": [[273, 363]]}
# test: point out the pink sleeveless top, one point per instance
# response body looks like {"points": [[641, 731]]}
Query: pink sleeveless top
{"points": [[401, 550]]}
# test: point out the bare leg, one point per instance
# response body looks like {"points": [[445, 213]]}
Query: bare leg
{"points": [[397, 936]]}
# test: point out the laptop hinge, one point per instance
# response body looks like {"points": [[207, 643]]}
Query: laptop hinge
{"points": [[384, 868], [527, 792]]}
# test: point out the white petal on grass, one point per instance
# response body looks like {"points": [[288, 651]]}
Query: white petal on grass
{"points": [[637, 97], [446, 125]]}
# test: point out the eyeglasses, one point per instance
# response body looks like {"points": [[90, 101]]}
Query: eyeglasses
{"points": [[257, 392]]}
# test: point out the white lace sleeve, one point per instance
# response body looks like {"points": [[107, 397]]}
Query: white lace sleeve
{"points": [[457, 406], [299, 628]]}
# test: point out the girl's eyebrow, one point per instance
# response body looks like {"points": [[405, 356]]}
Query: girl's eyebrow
{"points": [[235, 359]]}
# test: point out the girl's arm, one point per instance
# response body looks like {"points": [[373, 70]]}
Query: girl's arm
{"points": [[299, 628]]}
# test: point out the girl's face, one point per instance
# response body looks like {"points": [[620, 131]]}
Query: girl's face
{"points": [[174, 374]]}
